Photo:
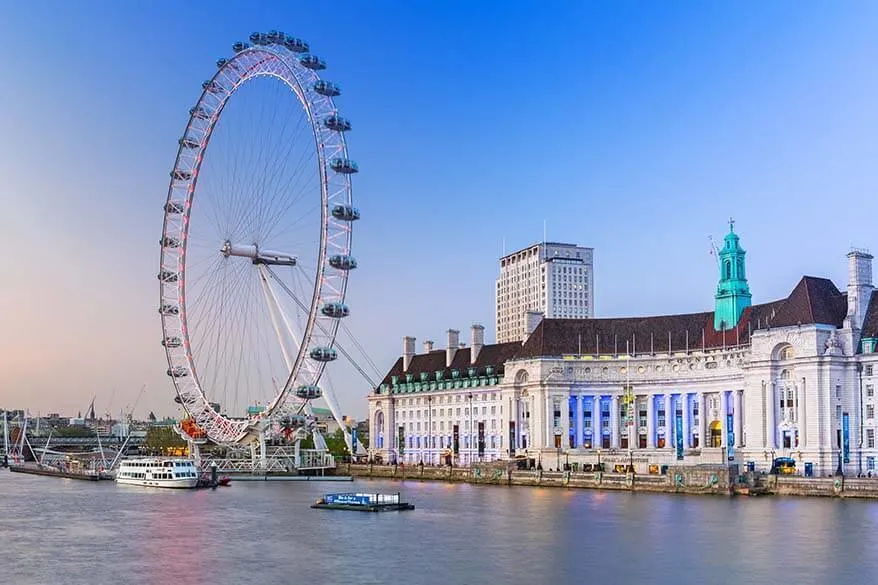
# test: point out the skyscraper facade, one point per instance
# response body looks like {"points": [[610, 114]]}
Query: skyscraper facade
{"points": [[550, 279]]}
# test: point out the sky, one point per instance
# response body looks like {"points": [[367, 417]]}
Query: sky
{"points": [[634, 128]]}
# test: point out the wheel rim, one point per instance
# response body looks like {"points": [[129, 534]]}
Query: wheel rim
{"points": [[201, 357]]}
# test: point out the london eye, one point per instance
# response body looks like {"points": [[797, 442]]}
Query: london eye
{"points": [[256, 242]]}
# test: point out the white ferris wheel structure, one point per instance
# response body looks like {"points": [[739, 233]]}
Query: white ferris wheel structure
{"points": [[256, 244]]}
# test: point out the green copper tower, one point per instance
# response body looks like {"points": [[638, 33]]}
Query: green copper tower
{"points": [[732, 292]]}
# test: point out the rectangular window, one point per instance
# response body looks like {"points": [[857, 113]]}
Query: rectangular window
{"points": [[869, 370], [838, 411], [838, 391], [870, 411], [870, 438], [870, 390], [870, 463]]}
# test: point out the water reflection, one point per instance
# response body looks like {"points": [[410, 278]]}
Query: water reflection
{"points": [[55, 531]]}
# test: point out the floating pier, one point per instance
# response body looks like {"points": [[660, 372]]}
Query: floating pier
{"points": [[81, 475], [363, 502]]}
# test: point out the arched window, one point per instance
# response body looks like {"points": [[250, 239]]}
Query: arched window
{"points": [[727, 269], [786, 353]]}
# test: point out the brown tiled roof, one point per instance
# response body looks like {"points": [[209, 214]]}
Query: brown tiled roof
{"points": [[870, 323], [494, 355], [813, 300]]}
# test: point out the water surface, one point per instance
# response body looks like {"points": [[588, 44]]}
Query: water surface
{"points": [[65, 531]]}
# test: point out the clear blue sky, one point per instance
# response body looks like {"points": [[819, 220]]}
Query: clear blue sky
{"points": [[637, 128]]}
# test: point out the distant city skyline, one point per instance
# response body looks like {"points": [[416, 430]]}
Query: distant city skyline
{"points": [[630, 128]]}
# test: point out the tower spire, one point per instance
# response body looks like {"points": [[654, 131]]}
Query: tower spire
{"points": [[732, 292]]}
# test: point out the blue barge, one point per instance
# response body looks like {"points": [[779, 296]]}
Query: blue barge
{"points": [[363, 502]]}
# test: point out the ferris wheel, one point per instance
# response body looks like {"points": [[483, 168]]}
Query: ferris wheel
{"points": [[256, 241]]}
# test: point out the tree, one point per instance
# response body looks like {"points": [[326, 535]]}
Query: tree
{"points": [[336, 444], [161, 439], [74, 431]]}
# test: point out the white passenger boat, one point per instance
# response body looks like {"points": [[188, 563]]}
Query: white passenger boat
{"points": [[158, 472]]}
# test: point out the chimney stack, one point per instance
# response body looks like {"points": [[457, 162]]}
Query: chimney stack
{"points": [[859, 287], [478, 335], [408, 352], [428, 346], [451, 348]]}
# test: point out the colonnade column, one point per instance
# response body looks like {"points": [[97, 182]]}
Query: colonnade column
{"points": [[548, 439], [565, 422], [723, 418], [614, 422], [670, 417], [578, 426], [769, 416], [739, 418], [596, 427], [650, 421], [801, 418], [684, 405], [702, 420]]}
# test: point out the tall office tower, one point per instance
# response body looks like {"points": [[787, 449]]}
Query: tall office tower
{"points": [[549, 278]]}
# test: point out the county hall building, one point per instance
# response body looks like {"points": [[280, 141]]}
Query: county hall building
{"points": [[792, 378]]}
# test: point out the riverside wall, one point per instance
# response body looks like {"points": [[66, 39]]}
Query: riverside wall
{"points": [[700, 479]]}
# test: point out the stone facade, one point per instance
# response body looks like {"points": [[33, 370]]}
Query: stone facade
{"points": [[790, 379]]}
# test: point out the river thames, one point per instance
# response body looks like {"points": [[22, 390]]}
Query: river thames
{"points": [[63, 531]]}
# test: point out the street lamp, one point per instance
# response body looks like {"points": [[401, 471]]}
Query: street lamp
{"points": [[599, 460], [558, 433]]}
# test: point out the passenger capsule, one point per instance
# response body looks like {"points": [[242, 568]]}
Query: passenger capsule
{"points": [[186, 398], [174, 207], [308, 392], [172, 342], [295, 420], [181, 175], [337, 123], [343, 262], [212, 87], [345, 212], [168, 309], [344, 165], [178, 372], [323, 354], [189, 143], [327, 88], [276, 36], [336, 310], [296, 45], [312, 62], [200, 113], [220, 62], [239, 46], [167, 276], [258, 38]]}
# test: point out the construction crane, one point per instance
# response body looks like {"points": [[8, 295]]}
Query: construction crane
{"points": [[714, 250]]}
